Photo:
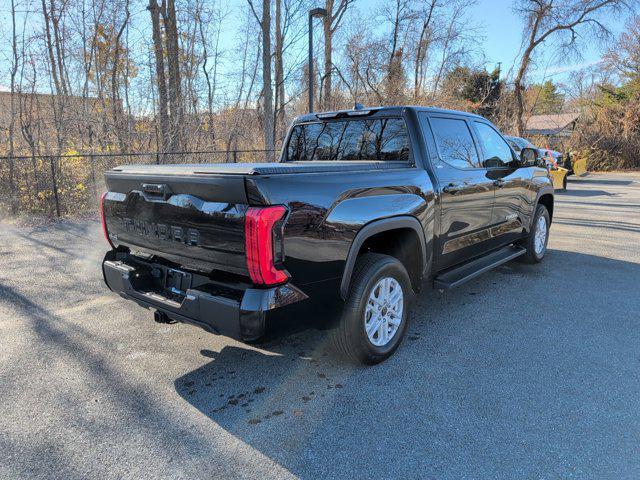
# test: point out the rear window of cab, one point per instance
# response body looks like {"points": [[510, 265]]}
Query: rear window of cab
{"points": [[382, 139]]}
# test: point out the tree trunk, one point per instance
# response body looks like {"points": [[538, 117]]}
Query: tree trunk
{"points": [[49, 42], [517, 83], [173, 66], [327, 101], [394, 36], [160, 77], [115, 97], [279, 71], [519, 107], [54, 184], [12, 121], [267, 93], [60, 56], [205, 70], [421, 52]]}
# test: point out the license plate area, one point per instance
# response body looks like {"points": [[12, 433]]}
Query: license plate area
{"points": [[177, 282]]}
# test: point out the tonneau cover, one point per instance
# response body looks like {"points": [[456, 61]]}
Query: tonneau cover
{"points": [[255, 168]]}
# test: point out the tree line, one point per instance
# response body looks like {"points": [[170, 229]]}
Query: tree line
{"points": [[128, 76]]}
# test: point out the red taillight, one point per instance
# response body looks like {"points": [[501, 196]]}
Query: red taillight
{"points": [[104, 220], [259, 235]]}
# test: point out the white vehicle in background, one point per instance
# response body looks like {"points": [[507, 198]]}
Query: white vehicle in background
{"points": [[555, 157], [559, 168]]}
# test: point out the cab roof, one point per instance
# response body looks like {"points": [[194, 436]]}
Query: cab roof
{"points": [[377, 111]]}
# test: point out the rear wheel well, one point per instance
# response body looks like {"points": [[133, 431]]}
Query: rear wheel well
{"points": [[403, 244], [547, 201]]}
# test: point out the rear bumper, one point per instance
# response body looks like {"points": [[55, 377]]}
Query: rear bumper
{"points": [[221, 309]]}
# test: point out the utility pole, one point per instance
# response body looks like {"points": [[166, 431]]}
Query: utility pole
{"points": [[316, 12]]}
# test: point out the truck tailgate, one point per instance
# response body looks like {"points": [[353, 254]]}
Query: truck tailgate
{"points": [[193, 220]]}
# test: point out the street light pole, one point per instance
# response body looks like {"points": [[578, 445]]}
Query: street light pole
{"points": [[316, 12]]}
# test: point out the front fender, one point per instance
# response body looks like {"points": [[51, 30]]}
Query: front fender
{"points": [[546, 190]]}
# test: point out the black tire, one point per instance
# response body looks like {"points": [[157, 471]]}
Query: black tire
{"points": [[532, 256], [349, 336]]}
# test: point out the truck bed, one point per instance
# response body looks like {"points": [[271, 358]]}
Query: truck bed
{"points": [[255, 168], [194, 215]]}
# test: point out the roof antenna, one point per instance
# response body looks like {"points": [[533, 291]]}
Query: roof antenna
{"points": [[358, 106]]}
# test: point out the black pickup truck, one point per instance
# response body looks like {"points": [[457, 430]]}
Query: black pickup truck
{"points": [[363, 208]]}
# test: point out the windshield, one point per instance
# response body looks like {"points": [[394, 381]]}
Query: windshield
{"points": [[521, 142], [353, 139]]}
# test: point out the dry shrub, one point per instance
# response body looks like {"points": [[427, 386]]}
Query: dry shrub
{"points": [[608, 136]]}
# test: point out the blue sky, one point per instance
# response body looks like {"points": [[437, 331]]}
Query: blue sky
{"points": [[503, 29], [501, 32]]}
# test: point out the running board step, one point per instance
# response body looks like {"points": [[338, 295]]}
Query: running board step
{"points": [[468, 271]]}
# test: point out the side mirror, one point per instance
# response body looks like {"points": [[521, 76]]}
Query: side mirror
{"points": [[529, 157]]}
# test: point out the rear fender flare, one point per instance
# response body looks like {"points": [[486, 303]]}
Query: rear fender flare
{"points": [[373, 228]]}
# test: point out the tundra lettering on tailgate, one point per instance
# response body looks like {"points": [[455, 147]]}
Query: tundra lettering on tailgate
{"points": [[161, 231]]}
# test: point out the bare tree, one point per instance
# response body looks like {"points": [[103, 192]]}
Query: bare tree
{"points": [[47, 29], [267, 88], [423, 42], [623, 58], [115, 71], [161, 82], [176, 106], [290, 32], [12, 113], [248, 73], [397, 14], [210, 73], [454, 41], [170, 100], [335, 14], [571, 20]]}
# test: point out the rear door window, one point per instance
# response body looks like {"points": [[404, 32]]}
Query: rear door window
{"points": [[455, 143], [383, 139]]}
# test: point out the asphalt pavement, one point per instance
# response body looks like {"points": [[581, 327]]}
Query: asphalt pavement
{"points": [[526, 372]]}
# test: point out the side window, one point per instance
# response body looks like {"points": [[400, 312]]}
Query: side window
{"points": [[496, 151], [514, 145], [455, 143]]}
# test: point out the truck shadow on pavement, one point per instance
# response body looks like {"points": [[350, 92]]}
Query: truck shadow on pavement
{"points": [[600, 224], [84, 354], [596, 181], [520, 353], [575, 192], [38, 235]]}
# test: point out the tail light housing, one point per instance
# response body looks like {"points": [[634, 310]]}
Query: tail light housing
{"points": [[104, 220], [263, 244]]}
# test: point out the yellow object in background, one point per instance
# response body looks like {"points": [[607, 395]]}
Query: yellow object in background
{"points": [[559, 177], [580, 167]]}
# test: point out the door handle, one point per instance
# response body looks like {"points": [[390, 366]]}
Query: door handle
{"points": [[499, 183], [452, 188]]}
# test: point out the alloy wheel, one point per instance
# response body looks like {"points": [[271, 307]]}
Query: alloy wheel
{"points": [[383, 313]]}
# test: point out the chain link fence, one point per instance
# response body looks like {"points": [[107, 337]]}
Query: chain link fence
{"points": [[71, 184]]}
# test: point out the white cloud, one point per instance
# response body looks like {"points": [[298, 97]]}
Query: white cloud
{"points": [[560, 69]]}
